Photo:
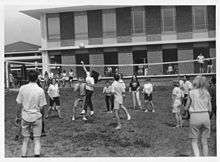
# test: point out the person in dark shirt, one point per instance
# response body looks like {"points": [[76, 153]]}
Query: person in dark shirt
{"points": [[134, 89]]}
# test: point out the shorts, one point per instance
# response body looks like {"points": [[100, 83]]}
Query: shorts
{"points": [[199, 124], [117, 104], [55, 100], [79, 100], [176, 106], [65, 78], [28, 127], [148, 97]]}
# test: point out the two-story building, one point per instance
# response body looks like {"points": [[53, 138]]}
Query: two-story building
{"points": [[126, 35]]}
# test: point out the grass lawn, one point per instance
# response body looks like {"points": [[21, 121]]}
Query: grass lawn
{"points": [[146, 135]]}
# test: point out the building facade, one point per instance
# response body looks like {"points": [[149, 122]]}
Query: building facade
{"points": [[127, 35], [21, 52]]}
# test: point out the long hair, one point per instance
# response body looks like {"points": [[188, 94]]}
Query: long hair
{"points": [[200, 83]]}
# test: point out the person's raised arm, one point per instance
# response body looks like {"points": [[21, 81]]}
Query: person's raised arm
{"points": [[83, 65]]}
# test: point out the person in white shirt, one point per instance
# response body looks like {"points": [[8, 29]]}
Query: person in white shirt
{"points": [[177, 95], [90, 82], [201, 62], [147, 91], [119, 93], [53, 92], [200, 107], [170, 69], [31, 99], [51, 75], [71, 76], [64, 78]]}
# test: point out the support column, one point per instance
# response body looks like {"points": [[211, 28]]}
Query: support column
{"points": [[185, 52], [155, 55], [125, 56], [6, 74], [45, 62]]}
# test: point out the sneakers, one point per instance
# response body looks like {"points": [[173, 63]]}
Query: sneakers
{"points": [[118, 127], [146, 110], [83, 112], [129, 117], [73, 118], [91, 112], [153, 110], [84, 118]]}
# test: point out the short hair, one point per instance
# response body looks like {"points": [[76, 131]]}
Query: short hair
{"points": [[117, 77], [32, 76]]}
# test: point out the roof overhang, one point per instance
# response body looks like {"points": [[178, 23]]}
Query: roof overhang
{"points": [[36, 13]]}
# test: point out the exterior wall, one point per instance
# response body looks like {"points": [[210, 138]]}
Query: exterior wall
{"points": [[185, 52], [68, 57], [125, 56], [96, 57], [212, 52], [154, 55]]}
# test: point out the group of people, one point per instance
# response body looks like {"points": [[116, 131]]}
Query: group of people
{"points": [[194, 97]]}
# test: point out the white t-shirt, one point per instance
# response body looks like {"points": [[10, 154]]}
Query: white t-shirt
{"points": [[89, 80], [50, 75], [71, 74], [107, 90], [32, 97], [53, 90], [181, 83], [178, 93], [148, 88], [187, 86], [118, 90], [170, 68], [123, 83], [200, 59]]}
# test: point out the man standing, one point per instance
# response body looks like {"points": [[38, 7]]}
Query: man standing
{"points": [[31, 99], [200, 59]]}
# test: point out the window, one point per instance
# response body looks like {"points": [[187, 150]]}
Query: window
{"points": [[109, 59], [170, 55], [140, 57], [168, 19], [138, 20], [81, 26], [109, 23], [53, 26], [199, 17]]}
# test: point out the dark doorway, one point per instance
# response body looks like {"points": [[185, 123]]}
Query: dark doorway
{"points": [[110, 58], [139, 57], [170, 55], [79, 70], [205, 52]]}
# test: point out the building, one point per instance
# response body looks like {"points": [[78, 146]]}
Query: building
{"points": [[126, 35], [21, 52]]}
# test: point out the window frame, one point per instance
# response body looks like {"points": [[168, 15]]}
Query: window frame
{"points": [[55, 37], [194, 18], [140, 10], [163, 8]]}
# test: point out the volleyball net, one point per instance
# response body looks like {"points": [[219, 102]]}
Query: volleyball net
{"points": [[18, 70]]}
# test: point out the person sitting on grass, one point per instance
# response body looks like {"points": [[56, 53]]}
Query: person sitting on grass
{"points": [[80, 91], [147, 92], [199, 106], [31, 99], [119, 93], [109, 98], [53, 92], [177, 96]]}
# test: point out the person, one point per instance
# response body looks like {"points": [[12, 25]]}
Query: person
{"points": [[46, 80], [209, 66], [109, 99], [199, 106], [71, 75], [177, 95], [79, 88], [212, 92], [201, 62], [134, 89], [147, 92], [146, 70], [170, 69], [89, 91], [119, 93], [51, 75], [11, 81], [53, 92], [64, 78], [31, 99]]}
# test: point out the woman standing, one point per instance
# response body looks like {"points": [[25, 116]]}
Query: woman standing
{"points": [[134, 89], [199, 104]]}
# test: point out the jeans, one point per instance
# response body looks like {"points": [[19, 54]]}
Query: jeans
{"points": [[136, 96], [88, 100], [109, 100]]}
